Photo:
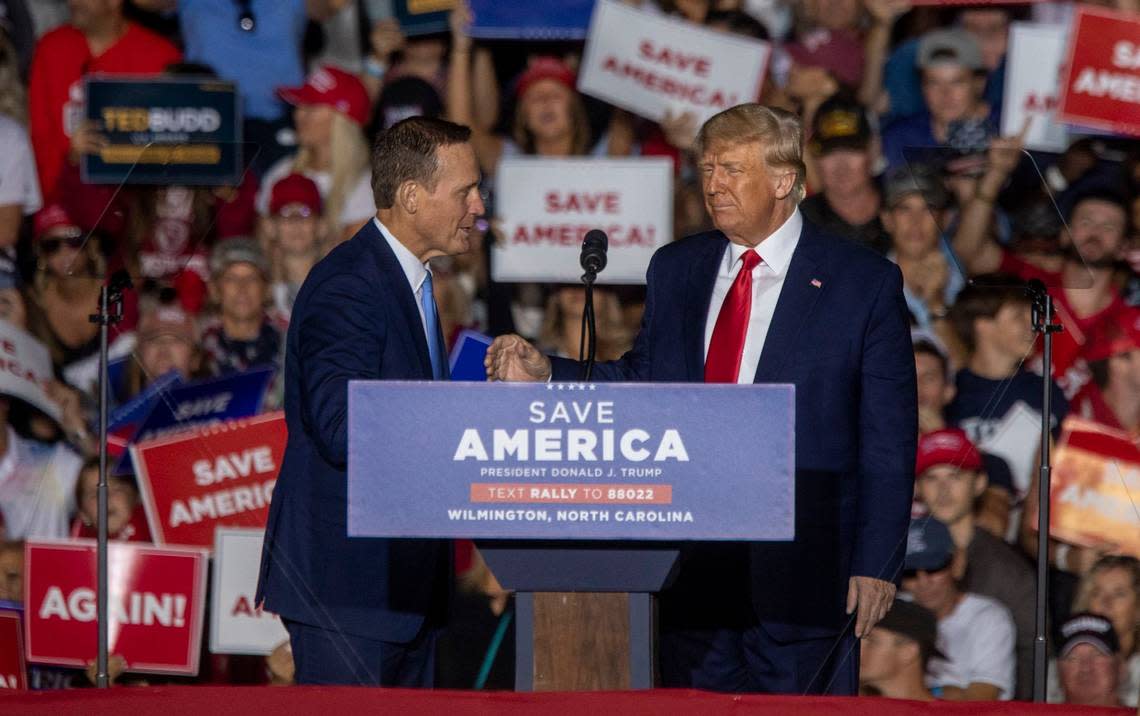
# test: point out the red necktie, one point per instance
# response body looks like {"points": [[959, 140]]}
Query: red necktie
{"points": [[727, 345]]}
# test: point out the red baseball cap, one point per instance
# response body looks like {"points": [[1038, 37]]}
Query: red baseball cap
{"points": [[295, 189], [334, 87], [544, 68], [54, 216], [949, 446], [1119, 334], [837, 52]]}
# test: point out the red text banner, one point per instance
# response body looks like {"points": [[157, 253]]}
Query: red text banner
{"points": [[650, 64], [546, 206], [1101, 87], [238, 625], [1096, 474], [156, 602], [217, 476], [13, 670]]}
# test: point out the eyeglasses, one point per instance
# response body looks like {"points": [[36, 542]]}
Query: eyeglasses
{"points": [[247, 21], [50, 246]]}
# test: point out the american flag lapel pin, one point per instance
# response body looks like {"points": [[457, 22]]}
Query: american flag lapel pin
{"points": [[817, 283]]}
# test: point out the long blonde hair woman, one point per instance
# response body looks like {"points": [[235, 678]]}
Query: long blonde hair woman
{"points": [[330, 112], [561, 329]]}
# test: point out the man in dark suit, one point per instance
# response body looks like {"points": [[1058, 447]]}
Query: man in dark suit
{"points": [[768, 298], [366, 611]]}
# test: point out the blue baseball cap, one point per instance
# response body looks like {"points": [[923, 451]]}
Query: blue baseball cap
{"points": [[928, 545]]}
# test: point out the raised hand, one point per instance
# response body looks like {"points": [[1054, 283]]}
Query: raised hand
{"points": [[512, 358]]}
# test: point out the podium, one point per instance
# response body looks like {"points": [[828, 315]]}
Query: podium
{"points": [[579, 496]]}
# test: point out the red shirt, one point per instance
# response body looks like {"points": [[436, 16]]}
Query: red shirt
{"points": [[55, 92], [1070, 369]]}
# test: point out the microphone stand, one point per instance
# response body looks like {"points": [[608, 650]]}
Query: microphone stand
{"points": [[587, 346], [110, 313], [1043, 323]]}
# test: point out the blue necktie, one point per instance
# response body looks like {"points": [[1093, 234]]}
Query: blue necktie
{"points": [[431, 328]]}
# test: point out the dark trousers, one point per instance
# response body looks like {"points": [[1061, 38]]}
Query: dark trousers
{"points": [[323, 657], [749, 660]]}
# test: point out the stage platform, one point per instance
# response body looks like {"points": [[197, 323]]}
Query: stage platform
{"points": [[335, 701]]}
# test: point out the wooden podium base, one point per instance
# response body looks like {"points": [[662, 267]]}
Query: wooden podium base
{"points": [[584, 641]]}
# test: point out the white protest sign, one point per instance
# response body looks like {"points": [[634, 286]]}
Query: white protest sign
{"points": [[1033, 84], [649, 64], [237, 625], [25, 369], [546, 206]]}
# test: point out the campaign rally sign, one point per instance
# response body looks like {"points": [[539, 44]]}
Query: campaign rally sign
{"points": [[214, 475], [498, 20], [124, 421], [1096, 473], [570, 460], [173, 130], [13, 669], [157, 599], [650, 64], [237, 624], [25, 369], [1101, 87], [204, 402], [422, 17], [1033, 67], [546, 206]]}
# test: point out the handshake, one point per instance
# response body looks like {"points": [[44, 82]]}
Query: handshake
{"points": [[512, 358]]}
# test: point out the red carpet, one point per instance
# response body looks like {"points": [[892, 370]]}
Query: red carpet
{"points": [[335, 701]]}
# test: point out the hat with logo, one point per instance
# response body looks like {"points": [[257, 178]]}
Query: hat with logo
{"points": [[334, 87], [238, 250], [838, 52], [840, 123], [928, 545], [295, 189], [56, 216], [1120, 334], [1088, 628], [167, 319], [903, 180], [949, 47], [915, 622], [948, 446], [544, 68]]}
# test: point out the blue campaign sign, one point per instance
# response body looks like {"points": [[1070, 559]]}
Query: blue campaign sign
{"points": [[204, 402], [134, 410], [467, 355], [571, 461], [170, 130], [525, 20]]}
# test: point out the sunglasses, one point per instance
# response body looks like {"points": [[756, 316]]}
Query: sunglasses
{"points": [[913, 573], [50, 246]]}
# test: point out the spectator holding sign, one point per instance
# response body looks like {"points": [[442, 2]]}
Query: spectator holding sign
{"points": [[330, 111], [126, 519], [97, 40], [12, 571], [166, 340], [1113, 356]]}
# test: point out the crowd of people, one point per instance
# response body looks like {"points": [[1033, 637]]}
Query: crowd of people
{"points": [[903, 156]]}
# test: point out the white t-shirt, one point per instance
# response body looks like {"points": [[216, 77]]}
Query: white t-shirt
{"points": [[978, 637], [37, 487], [358, 208], [18, 181]]}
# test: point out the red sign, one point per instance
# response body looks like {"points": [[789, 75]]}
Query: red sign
{"points": [[13, 671], [1101, 87], [218, 476], [157, 598]]}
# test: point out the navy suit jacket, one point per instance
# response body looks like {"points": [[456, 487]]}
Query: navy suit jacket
{"points": [[845, 345], [354, 318]]}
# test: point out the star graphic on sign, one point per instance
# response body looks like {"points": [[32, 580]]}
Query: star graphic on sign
{"points": [[561, 386], [550, 386], [592, 386]]}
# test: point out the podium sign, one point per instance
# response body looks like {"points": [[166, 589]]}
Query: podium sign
{"points": [[571, 461]]}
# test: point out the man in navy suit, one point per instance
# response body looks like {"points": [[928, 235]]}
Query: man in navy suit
{"points": [[366, 611], [768, 298]]}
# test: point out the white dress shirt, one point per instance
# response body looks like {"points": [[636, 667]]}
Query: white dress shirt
{"points": [[415, 271], [767, 280]]}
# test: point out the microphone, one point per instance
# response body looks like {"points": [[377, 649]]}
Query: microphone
{"points": [[593, 257]]}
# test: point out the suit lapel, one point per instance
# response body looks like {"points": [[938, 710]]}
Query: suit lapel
{"points": [[401, 292], [803, 285], [698, 295]]}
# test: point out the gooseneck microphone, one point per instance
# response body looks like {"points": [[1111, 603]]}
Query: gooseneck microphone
{"points": [[593, 260], [594, 246]]}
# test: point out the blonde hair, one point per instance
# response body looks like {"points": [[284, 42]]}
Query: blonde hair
{"points": [[1126, 563], [780, 132], [348, 160]]}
